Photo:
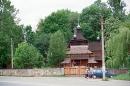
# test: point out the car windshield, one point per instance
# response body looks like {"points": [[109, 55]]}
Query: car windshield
{"points": [[99, 71]]}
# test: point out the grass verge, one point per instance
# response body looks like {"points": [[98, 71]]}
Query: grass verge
{"points": [[122, 77]]}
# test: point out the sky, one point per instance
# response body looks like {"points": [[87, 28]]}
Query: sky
{"points": [[31, 11]]}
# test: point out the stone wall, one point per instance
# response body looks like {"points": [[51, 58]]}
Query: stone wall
{"points": [[32, 72], [118, 71], [45, 72]]}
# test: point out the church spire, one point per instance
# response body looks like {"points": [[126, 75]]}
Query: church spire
{"points": [[78, 38], [78, 26], [75, 31]]}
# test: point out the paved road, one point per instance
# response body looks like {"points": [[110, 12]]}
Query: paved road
{"points": [[58, 81]]}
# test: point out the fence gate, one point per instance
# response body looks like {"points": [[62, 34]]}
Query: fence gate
{"points": [[76, 70]]}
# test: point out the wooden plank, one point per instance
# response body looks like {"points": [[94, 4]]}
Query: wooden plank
{"points": [[76, 70]]}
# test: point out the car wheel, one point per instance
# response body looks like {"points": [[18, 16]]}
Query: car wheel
{"points": [[94, 77]]}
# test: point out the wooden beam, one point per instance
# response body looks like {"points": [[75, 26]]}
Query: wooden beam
{"points": [[80, 62]]}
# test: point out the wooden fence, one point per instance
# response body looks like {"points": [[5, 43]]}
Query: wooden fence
{"points": [[76, 70], [81, 70]]}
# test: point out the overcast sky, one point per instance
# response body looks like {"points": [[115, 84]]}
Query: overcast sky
{"points": [[31, 11]]}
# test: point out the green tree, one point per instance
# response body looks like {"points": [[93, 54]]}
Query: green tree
{"points": [[126, 23], [118, 49], [117, 7], [90, 19], [111, 27], [27, 56], [117, 37], [28, 34], [57, 49], [61, 20], [8, 29], [42, 43]]}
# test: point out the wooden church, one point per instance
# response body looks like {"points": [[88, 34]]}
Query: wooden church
{"points": [[82, 54]]}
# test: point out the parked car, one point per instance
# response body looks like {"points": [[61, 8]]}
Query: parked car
{"points": [[98, 73]]}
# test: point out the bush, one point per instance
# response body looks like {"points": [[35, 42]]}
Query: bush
{"points": [[27, 56]]}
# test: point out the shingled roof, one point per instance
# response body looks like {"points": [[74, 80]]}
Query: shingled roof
{"points": [[78, 38], [79, 49], [94, 46], [79, 35]]}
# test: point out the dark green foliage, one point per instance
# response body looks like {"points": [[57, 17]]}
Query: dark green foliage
{"points": [[28, 34], [126, 23], [8, 29], [90, 19], [111, 27], [4, 50], [27, 56], [117, 7], [42, 44], [57, 49], [117, 48], [63, 20], [117, 37]]}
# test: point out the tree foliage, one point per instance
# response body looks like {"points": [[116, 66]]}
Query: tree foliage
{"points": [[29, 35], [63, 20], [117, 7], [118, 49], [42, 43], [111, 27], [27, 56], [56, 29], [57, 49], [90, 19], [126, 23], [117, 35], [8, 29]]}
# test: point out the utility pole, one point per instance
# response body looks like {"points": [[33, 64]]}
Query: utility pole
{"points": [[11, 53], [103, 53]]}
